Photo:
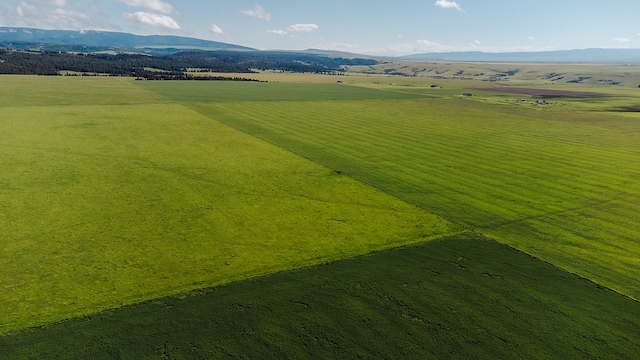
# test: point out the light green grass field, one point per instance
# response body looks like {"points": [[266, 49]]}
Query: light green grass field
{"points": [[24, 90], [104, 205], [561, 184]]}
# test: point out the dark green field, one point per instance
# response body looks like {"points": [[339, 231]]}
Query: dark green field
{"points": [[460, 297]]}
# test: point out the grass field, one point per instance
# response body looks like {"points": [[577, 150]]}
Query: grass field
{"points": [[560, 184], [220, 91], [104, 205], [460, 297], [116, 191]]}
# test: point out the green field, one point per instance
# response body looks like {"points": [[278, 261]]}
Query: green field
{"points": [[105, 205], [115, 191], [561, 184], [460, 297]]}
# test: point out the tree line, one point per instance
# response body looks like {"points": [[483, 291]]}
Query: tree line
{"points": [[170, 66]]}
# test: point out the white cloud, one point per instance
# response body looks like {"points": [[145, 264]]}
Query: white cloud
{"points": [[40, 13], [303, 27], [155, 5], [23, 8], [217, 30], [622, 40], [152, 19], [531, 38], [258, 12], [277, 32], [446, 4], [477, 42], [58, 3]]}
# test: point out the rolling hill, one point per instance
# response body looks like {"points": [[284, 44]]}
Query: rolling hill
{"points": [[108, 40], [579, 56]]}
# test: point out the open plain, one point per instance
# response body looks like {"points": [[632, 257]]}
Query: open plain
{"points": [[118, 192]]}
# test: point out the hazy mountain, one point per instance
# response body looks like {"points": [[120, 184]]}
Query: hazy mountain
{"points": [[579, 56], [336, 53], [109, 40], [95, 41]]}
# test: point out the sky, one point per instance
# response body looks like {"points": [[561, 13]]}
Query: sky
{"points": [[367, 27]]}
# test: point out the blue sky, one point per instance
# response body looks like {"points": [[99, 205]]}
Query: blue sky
{"points": [[368, 27]]}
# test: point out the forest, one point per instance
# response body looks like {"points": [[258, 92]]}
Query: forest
{"points": [[172, 66]]}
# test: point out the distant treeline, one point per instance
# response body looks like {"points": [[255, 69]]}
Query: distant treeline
{"points": [[262, 60], [173, 65]]}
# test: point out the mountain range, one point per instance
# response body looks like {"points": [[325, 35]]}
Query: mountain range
{"points": [[106, 40], [97, 41], [572, 56]]}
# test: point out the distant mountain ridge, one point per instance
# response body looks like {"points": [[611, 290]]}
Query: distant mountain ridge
{"points": [[22, 38], [577, 56], [110, 40]]}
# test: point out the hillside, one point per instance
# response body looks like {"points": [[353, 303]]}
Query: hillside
{"points": [[579, 56], [107, 40]]}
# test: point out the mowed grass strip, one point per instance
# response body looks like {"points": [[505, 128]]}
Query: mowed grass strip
{"points": [[102, 206], [460, 297], [546, 183]]}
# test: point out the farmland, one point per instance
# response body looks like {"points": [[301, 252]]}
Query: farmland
{"points": [[537, 180], [458, 297], [115, 192], [109, 204]]}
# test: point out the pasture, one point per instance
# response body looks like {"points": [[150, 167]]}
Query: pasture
{"points": [[559, 183], [115, 192], [110, 204], [458, 297]]}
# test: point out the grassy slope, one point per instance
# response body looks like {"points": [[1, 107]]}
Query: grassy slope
{"points": [[461, 297], [134, 198], [561, 184]]}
